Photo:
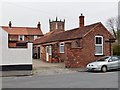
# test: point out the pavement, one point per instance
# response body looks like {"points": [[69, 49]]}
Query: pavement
{"points": [[15, 73], [44, 68]]}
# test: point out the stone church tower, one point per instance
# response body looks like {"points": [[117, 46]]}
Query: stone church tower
{"points": [[57, 25]]}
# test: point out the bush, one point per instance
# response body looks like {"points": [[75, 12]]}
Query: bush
{"points": [[116, 49]]}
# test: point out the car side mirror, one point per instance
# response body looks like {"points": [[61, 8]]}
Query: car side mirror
{"points": [[109, 60]]}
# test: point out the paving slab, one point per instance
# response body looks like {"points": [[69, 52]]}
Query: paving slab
{"points": [[43, 68]]}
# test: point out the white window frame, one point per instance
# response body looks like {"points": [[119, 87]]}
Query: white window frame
{"points": [[62, 45], [50, 50], [99, 45], [21, 36], [35, 37]]}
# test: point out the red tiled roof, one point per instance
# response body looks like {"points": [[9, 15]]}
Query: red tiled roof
{"points": [[46, 37], [22, 30], [65, 35]]}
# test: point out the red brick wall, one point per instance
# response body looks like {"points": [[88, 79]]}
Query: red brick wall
{"points": [[29, 38], [13, 37], [44, 53], [80, 57], [55, 54], [12, 44], [26, 37]]}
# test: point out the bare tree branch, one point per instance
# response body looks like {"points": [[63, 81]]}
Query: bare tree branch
{"points": [[112, 24]]}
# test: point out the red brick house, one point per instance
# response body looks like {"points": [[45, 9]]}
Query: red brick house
{"points": [[76, 47], [19, 36]]}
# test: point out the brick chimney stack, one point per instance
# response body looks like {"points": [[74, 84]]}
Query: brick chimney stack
{"points": [[38, 25], [10, 24], [81, 21]]}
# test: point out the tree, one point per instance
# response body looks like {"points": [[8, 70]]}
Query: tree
{"points": [[113, 25]]}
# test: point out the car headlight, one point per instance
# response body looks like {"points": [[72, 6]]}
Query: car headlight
{"points": [[93, 65]]}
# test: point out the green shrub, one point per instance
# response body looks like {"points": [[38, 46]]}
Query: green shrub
{"points": [[116, 49]]}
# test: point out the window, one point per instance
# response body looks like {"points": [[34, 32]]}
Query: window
{"points": [[98, 45], [21, 44], [21, 37], [62, 47], [115, 58], [50, 50], [47, 50], [76, 43], [35, 37]]}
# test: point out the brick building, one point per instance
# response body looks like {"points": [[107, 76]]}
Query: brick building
{"points": [[76, 47], [19, 36]]}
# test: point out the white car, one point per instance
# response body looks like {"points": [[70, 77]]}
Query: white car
{"points": [[104, 64]]}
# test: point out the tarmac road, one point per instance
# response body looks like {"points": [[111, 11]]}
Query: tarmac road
{"points": [[69, 80]]}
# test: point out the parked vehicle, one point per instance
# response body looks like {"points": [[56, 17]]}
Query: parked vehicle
{"points": [[104, 64]]}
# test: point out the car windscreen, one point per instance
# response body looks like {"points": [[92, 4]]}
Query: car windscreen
{"points": [[102, 59], [119, 57]]}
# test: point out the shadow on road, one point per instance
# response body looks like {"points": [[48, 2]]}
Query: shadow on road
{"points": [[103, 72]]}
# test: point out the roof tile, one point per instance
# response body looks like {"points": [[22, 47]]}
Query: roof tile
{"points": [[22, 30], [64, 35]]}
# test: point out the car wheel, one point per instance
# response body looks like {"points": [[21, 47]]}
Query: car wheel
{"points": [[104, 69]]}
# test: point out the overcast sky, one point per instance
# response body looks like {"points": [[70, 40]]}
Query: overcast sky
{"points": [[29, 13]]}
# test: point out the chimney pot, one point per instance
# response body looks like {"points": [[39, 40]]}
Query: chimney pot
{"points": [[81, 21], [49, 20], [10, 24], [56, 18], [64, 20], [38, 25]]}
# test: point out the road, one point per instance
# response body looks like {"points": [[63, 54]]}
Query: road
{"points": [[71, 80]]}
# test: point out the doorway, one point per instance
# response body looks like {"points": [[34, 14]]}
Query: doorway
{"points": [[47, 53], [38, 52]]}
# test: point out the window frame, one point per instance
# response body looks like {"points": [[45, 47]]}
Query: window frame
{"points": [[35, 37], [21, 36], [50, 50], [99, 45], [63, 45]]}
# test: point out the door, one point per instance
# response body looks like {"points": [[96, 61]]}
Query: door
{"points": [[47, 53], [38, 52], [113, 63]]}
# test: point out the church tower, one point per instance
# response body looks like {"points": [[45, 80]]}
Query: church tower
{"points": [[57, 25]]}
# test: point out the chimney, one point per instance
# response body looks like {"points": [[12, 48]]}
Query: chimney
{"points": [[10, 24], [81, 21], [38, 25]]}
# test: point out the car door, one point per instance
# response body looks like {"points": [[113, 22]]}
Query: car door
{"points": [[119, 62], [113, 63]]}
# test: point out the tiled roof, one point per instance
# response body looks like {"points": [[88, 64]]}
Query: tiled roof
{"points": [[47, 37], [22, 30], [65, 35]]}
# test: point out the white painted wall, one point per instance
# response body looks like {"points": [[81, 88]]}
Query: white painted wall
{"points": [[0, 46], [13, 56]]}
